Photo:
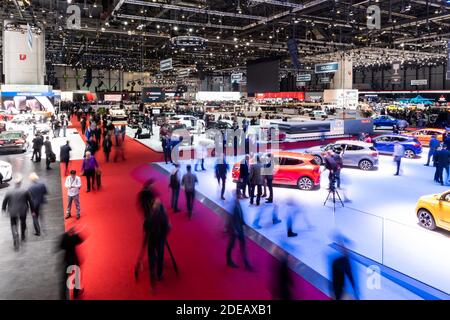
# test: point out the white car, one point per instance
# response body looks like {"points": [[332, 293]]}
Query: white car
{"points": [[191, 122], [117, 114], [5, 171]]}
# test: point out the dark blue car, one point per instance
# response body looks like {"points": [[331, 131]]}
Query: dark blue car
{"points": [[384, 121], [385, 144]]}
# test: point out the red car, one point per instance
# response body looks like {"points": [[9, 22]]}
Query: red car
{"points": [[291, 168]]}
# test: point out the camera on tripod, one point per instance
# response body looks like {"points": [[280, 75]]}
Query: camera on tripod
{"points": [[333, 181]]}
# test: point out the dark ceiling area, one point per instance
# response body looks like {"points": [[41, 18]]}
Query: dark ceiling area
{"points": [[134, 35]]}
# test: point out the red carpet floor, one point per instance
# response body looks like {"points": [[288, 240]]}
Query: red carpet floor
{"points": [[112, 225]]}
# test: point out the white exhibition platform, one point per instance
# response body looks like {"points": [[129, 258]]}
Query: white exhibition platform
{"points": [[379, 221]]}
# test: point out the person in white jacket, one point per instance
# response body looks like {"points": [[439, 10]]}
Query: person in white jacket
{"points": [[201, 153], [73, 186]]}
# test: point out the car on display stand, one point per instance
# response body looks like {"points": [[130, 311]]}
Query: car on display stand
{"points": [[388, 121], [192, 123], [385, 144], [434, 211], [293, 169], [11, 141], [354, 153], [117, 114], [216, 127], [179, 131], [424, 135]]}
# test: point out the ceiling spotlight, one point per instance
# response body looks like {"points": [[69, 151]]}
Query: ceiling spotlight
{"points": [[69, 1], [175, 28]]}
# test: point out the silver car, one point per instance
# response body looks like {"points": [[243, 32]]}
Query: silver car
{"points": [[354, 153]]}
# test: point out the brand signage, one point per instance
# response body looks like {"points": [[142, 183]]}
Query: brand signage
{"points": [[183, 73], [304, 77], [153, 95], [422, 82], [325, 80], [396, 78], [326, 67], [236, 77], [165, 65]]}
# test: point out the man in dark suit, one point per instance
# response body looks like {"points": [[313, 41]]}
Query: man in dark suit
{"points": [[37, 190], [256, 181], [243, 176], [64, 155], [17, 202], [442, 161], [38, 142], [48, 152]]}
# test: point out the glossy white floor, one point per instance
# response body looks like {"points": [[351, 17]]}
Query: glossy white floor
{"points": [[380, 222]]}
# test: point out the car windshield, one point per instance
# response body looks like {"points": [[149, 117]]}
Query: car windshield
{"points": [[10, 135]]}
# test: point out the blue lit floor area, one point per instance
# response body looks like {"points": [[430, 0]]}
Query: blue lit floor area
{"points": [[379, 221]]}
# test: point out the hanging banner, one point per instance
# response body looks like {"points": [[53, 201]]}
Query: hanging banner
{"points": [[303, 77], [166, 65], [29, 37], [448, 60], [236, 77], [421, 82], [326, 67], [183, 73], [396, 78]]}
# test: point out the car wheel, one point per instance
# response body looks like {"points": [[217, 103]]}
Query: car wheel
{"points": [[305, 183], [318, 159], [426, 219], [365, 165], [409, 154]]}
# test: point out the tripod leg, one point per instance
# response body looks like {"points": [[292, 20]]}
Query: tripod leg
{"points": [[340, 200], [328, 196]]}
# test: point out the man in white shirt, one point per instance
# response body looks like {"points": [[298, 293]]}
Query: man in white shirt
{"points": [[399, 151], [73, 185]]}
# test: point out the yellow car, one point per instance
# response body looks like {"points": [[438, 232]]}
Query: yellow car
{"points": [[434, 211]]}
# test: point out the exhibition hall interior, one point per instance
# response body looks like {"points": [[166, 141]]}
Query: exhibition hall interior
{"points": [[225, 150]]}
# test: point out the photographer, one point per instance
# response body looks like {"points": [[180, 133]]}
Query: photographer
{"points": [[332, 166]]}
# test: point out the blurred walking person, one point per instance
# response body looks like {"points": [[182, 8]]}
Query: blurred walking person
{"points": [[64, 156], [282, 282], [341, 270], [71, 264], [189, 181], [119, 150], [17, 202], [38, 191], [156, 229], [235, 229], [107, 146], [268, 176], [175, 185]]}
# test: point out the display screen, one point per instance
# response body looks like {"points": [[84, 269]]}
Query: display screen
{"points": [[263, 76], [153, 95]]}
